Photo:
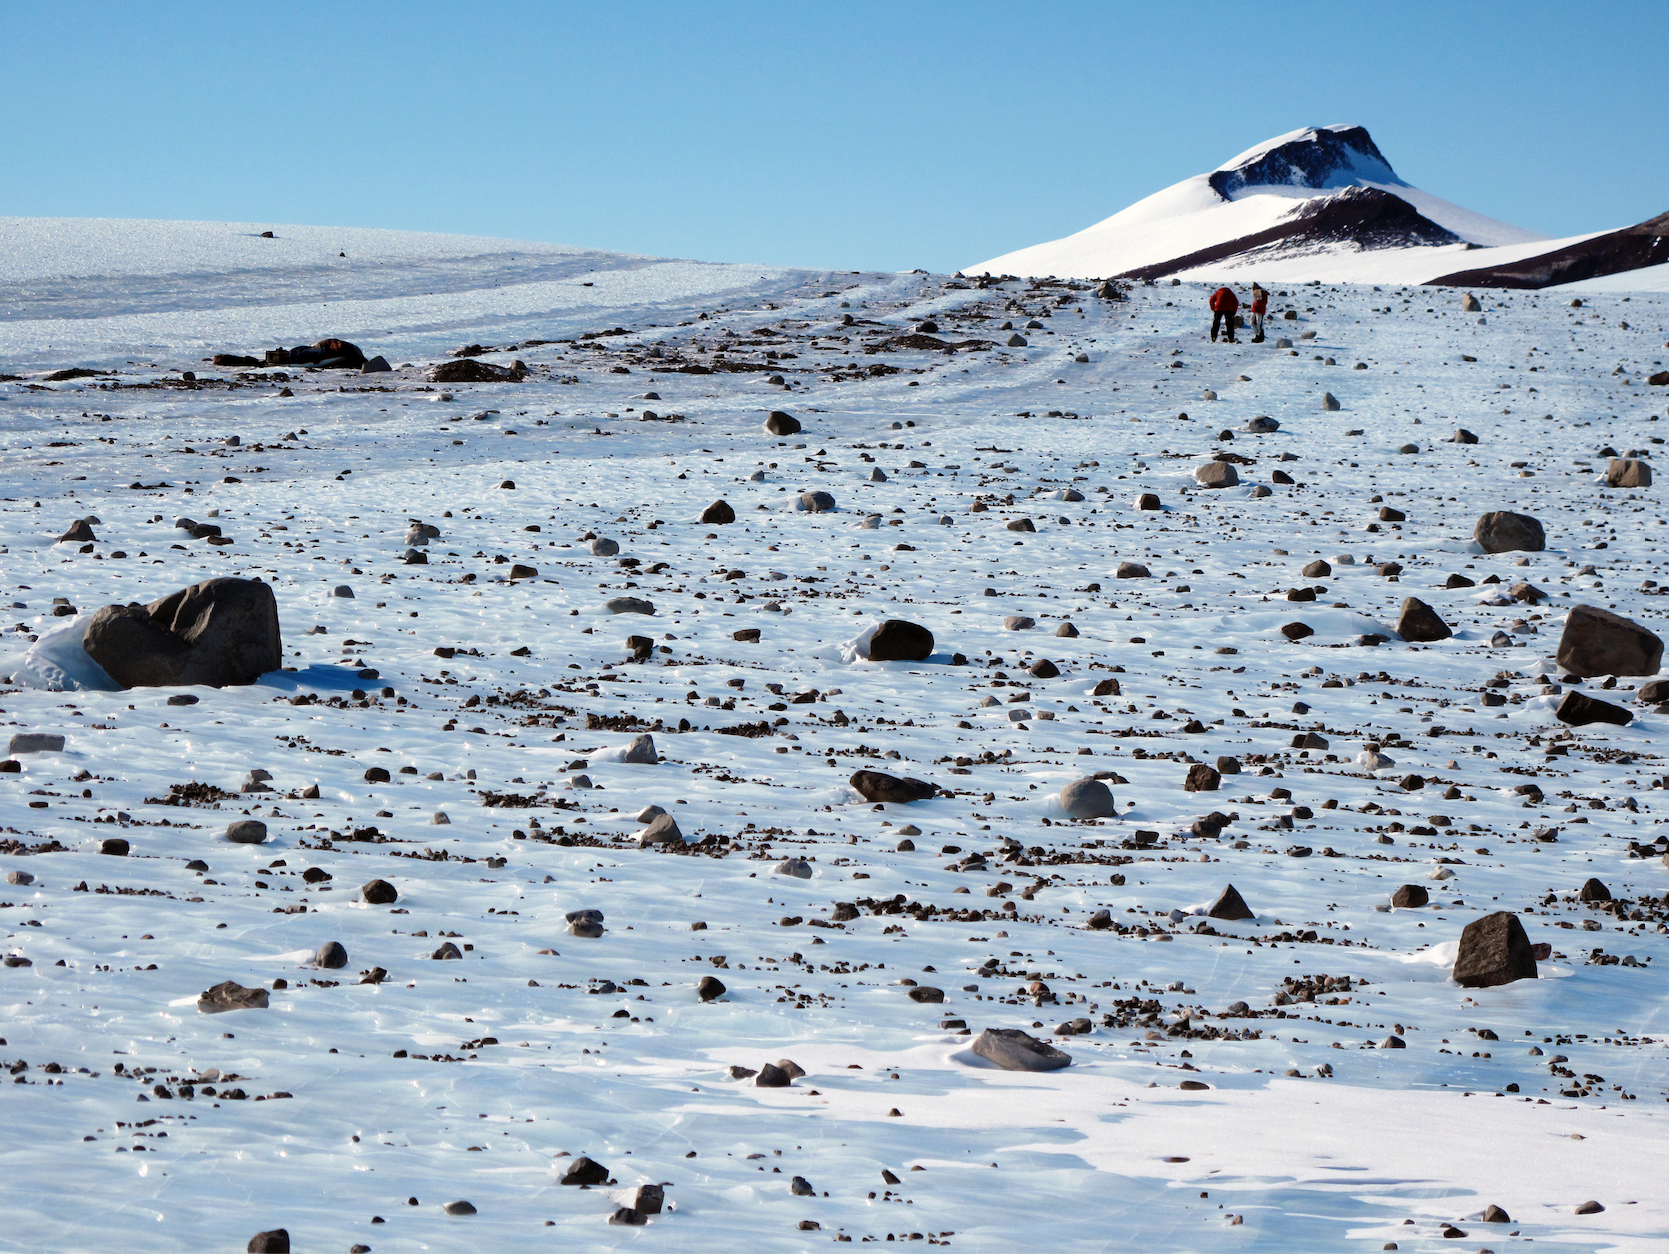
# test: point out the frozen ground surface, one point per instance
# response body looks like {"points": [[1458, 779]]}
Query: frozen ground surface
{"points": [[1106, 1155]]}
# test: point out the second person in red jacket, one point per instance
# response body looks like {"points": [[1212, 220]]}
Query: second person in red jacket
{"points": [[1224, 305]]}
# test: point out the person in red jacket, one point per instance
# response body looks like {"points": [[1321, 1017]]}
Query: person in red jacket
{"points": [[1224, 305], [1260, 306]]}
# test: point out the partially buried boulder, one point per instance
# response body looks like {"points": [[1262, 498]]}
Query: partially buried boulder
{"points": [[1230, 905], [1420, 624], [1598, 642], [1494, 950], [815, 502], [899, 641], [781, 423], [1628, 472], [1088, 799], [1014, 1050], [218, 632], [1216, 475], [230, 995], [1578, 709], [1503, 531], [880, 787], [718, 514]]}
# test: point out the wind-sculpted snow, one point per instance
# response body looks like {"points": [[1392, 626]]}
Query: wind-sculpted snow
{"points": [[552, 972]]}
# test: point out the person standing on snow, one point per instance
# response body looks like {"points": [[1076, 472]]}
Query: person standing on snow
{"points": [[1224, 305], [1260, 306]]}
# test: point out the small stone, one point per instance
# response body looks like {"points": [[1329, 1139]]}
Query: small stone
{"points": [[1018, 622], [1593, 890], [926, 994], [35, 742], [1132, 570], [816, 502], [1628, 472], [1297, 631], [1329, 402], [114, 846], [1589, 1208], [1216, 475], [799, 868], [22, 879], [662, 829], [899, 641], [782, 423]]}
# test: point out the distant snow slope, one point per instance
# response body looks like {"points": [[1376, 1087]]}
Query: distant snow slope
{"points": [[89, 290], [1254, 192]]}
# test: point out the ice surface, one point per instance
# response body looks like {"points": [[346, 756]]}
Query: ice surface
{"points": [[1107, 1154]]}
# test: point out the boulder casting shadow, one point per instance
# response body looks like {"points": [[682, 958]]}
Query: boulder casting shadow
{"points": [[214, 633]]}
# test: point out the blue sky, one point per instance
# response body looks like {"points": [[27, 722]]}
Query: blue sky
{"points": [[850, 135]]}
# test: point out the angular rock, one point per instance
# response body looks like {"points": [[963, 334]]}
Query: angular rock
{"points": [[1598, 642], [1202, 778], [1014, 1050], [377, 365], [799, 868], [585, 1171], [1503, 531], [1147, 500], [1495, 1215], [880, 787], [378, 893], [1494, 950], [1628, 472], [641, 751], [1419, 623], [1410, 897], [468, 370], [1653, 691], [1230, 905], [709, 988], [114, 846], [35, 742], [660, 830], [1578, 709], [1297, 631], [772, 1076], [230, 995], [718, 514], [218, 632], [78, 532], [1228, 766], [899, 641], [1088, 799], [1329, 402], [1593, 890]]}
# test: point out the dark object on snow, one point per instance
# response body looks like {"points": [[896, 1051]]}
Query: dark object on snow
{"points": [[1202, 778], [1578, 709], [1633, 247], [1420, 624], [585, 1171], [881, 787], [328, 354], [1410, 897], [1494, 950], [1503, 531], [898, 641], [218, 632], [718, 514], [710, 988], [468, 370], [1598, 642], [1014, 1050], [780, 423], [276, 1241], [1593, 890], [378, 893], [230, 995], [1230, 905]]}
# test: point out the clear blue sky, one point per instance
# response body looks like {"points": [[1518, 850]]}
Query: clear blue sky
{"points": [[847, 135]]}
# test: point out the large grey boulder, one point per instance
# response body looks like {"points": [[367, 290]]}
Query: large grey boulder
{"points": [[641, 750], [1088, 799], [35, 742], [1216, 475], [1628, 472], [1014, 1050], [218, 632], [1598, 642], [1503, 531], [661, 830], [818, 502]]}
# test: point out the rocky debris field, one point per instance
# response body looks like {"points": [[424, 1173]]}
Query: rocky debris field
{"points": [[828, 758]]}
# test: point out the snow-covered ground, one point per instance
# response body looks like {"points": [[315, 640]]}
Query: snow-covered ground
{"points": [[1311, 1135]]}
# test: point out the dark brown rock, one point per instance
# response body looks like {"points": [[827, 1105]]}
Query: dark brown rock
{"points": [[718, 514], [781, 423], [1106, 688], [1202, 778], [1578, 709], [468, 370], [1148, 500], [584, 1170], [772, 1076], [1598, 642], [1628, 472], [1297, 631], [1014, 1050], [276, 1241], [1230, 905], [1593, 890], [230, 995], [710, 988], [1043, 668], [1503, 531], [218, 632], [1494, 950], [1410, 897], [78, 532], [1419, 623], [878, 786], [927, 994], [899, 641], [379, 893]]}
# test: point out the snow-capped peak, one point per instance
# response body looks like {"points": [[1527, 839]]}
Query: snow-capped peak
{"points": [[1314, 157]]}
